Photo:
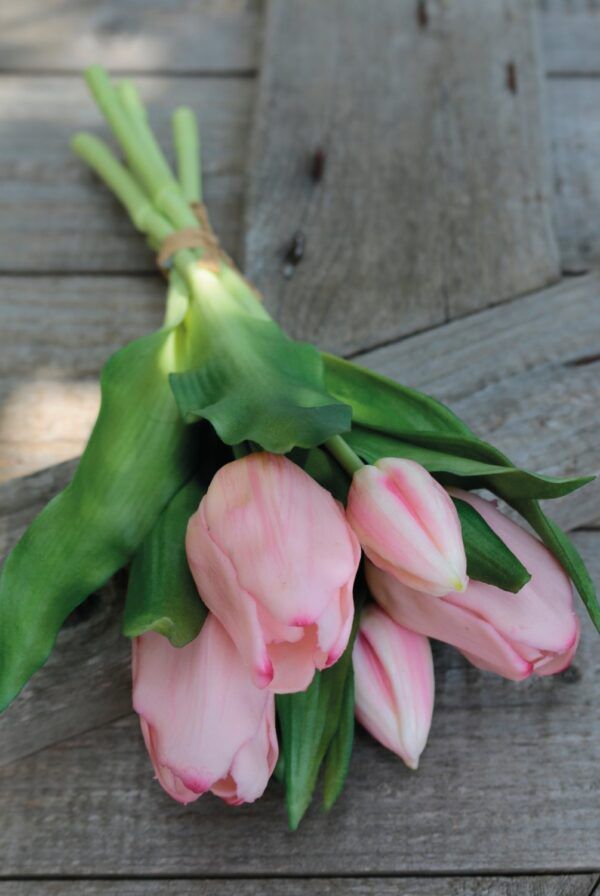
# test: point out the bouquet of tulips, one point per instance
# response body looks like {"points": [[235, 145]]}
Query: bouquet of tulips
{"points": [[240, 473]]}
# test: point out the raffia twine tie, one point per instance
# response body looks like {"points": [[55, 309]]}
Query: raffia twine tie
{"points": [[200, 237]]}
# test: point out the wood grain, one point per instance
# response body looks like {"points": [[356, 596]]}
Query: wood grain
{"points": [[570, 32], [86, 681], [420, 216], [541, 885], [55, 335], [56, 216], [575, 136], [156, 35], [518, 764]]}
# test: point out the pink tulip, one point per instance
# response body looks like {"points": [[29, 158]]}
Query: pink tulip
{"points": [[205, 724], [274, 559], [408, 525], [515, 635], [393, 679]]}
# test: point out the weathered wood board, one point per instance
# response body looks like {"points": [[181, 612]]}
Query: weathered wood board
{"points": [[575, 137], [570, 32], [509, 782], [55, 335], [56, 216], [541, 885], [200, 36], [419, 216]]}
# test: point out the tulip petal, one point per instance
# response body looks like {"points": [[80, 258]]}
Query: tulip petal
{"points": [[277, 525], [541, 615], [515, 635], [274, 559], [217, 582], [408, 525], [394, 684], [434, 617], [198, 709]]}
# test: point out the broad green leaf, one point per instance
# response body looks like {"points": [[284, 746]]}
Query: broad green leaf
{"points": [[139, 454], [308, 721], [162, 595], [256, 384], [489, 560], [380, 403], [338, 756], [565, 552], [465, 460]]}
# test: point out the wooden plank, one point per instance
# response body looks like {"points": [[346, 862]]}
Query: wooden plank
{"points": [[570, 31], [434, 198], [86, 681], [55, 335], [541, 885], [518, 764], [55, 216], [575, 136], [166, 35]]}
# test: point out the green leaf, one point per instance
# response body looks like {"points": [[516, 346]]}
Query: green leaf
{"points": [[308, 721], [324, 469], [466, 461], [565, 552], [392, 420], [380, 403], [162, 595], [489, 560], [139, 454], [338, 756], [256, 384]]}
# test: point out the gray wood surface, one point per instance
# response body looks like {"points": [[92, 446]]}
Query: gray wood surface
{"points": [[166, 35], [419, 216], [575, 136], [86, 681], [55, 335], [55, 214], [509, 782], [571, 36], [542, 885]]}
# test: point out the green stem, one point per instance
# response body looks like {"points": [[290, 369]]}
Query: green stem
{"points": [[99, 157], [155, 176], [141, 211], [344, 454], [178, 300], [187, 148]]}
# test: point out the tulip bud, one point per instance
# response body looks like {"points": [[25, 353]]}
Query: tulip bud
{"points": [[516, 635], [408, 525], [274, 559], [394, 686], [205, 724]]}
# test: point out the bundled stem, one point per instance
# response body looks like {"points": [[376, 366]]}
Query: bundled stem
{"points": [[158, 204], [187, 148]]}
